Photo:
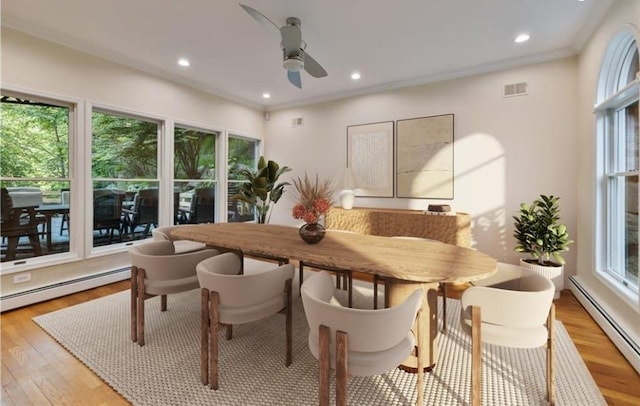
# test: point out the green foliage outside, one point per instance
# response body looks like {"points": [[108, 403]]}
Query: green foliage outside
{"points": [[195, 154], [123, 147], [34, 145]]}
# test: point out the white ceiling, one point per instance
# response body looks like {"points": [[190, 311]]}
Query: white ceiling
{"points": [[391, 43]]}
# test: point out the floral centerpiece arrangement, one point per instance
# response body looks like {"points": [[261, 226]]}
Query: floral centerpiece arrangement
{"points": [[314, 200]]}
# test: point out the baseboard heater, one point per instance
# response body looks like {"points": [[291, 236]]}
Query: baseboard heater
{"points": [[625, 343], [28, 297]]}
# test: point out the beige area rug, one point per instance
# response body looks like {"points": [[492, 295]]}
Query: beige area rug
{"points": [[166, 370]]}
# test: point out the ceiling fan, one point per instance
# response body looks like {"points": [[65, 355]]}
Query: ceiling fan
{"points": [[293, 47]]}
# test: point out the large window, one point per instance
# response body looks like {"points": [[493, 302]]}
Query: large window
{"points": [[124, 153], [195, 175], [34, 166], [242, 155], [77, 183], [618, 118]]}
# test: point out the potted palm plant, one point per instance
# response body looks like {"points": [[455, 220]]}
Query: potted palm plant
{"points": [[538, 232], [262, 188]]}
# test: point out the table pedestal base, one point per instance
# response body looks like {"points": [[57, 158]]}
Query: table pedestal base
{"points": [[396, 292]]}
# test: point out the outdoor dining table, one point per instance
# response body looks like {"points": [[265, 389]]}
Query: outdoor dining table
{"points": [[48, 211], [404, 265]]}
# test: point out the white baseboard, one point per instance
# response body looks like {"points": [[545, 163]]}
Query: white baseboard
{"points": [[627, 346], [16, 300]]}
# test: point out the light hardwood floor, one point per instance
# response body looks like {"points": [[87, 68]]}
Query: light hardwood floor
{"points": [[38, 371]]}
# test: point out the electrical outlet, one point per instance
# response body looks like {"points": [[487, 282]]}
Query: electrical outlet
{"points": [[25, 277]]}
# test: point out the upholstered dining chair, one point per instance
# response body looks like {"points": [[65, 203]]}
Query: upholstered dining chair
{"points": [[229, 297], [156, 269], [181, 246], [515, 309], [358, 342]]}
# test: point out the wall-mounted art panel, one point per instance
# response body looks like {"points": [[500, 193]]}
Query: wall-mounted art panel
{"points": [[370, 157], [424, 156]]}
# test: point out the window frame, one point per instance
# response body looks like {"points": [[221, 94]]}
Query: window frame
{"points": [[87, 230], [219, 136], [76, 122], [257, 151], [615, 94]]}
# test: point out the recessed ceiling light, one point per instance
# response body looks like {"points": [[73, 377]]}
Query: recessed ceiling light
{"points": [[266, 95], [183, 62], [522, 38], [355, 76]]}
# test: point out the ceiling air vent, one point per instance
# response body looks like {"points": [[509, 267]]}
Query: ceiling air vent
{"points": [[514, 89], [297, 122]]}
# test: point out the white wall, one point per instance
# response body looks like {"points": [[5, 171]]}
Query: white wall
{"points": [[34, 64], [507, 150], [40, 65], [622, 13]]}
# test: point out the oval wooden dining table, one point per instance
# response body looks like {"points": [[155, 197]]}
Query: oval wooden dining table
{"points": [[405, 265]]}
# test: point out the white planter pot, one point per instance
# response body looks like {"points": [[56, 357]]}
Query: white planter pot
{"points": [[555, 273]]}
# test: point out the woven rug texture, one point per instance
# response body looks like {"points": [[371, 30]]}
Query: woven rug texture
{"points": [[252, 372]]}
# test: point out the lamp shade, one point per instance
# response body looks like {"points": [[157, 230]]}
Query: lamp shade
{"points": [[348, 180], [348, 194]]}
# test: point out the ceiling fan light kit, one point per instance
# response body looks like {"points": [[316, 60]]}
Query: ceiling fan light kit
{"points": [[294, 57]]}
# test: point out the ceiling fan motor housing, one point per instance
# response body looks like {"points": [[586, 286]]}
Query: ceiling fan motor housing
{"points": [[294, 61]]}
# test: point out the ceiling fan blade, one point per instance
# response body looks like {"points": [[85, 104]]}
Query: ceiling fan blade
{"points": [[264, 21], [294, 78], [313, 68], [291, 38]]}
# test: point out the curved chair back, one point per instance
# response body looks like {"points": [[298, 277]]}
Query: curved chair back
{"points": [[527, 307], [181, 246], [157, 270], [229, 297], [369, 330], [162, 233], [521, 316], [511, 318], [161, 262], [244, 297]]}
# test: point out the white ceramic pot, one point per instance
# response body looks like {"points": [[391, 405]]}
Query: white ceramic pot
{"points": [[555, 273]]}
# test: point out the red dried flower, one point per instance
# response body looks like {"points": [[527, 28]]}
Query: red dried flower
{"points": [[314, 199]]}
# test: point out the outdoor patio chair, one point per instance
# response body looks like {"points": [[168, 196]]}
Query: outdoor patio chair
{"points": [[144, 212], [16, 223], [107, 211]]}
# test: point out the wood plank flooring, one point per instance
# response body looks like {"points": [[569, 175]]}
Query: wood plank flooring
{"points": [[38, 371]]}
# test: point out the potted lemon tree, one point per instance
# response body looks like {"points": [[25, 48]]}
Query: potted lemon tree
{"points": [[539, 233]]}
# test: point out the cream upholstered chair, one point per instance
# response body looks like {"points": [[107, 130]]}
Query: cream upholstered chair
{"points": [[157, 270], [181, 246], [514, 309], [229, 297], [355, 341]]}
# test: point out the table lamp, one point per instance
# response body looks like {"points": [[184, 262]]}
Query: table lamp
{"points": [[348, 193]]}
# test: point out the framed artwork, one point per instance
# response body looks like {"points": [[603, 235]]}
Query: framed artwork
{"points": [[370, 158], [424, 157]]}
